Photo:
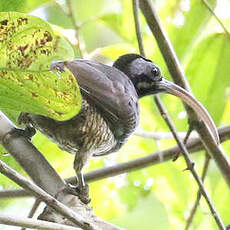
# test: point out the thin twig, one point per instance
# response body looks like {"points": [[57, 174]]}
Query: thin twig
{"points": [[185, 153], [195, 206], [35, 206], [137, 27], [150, 160], [33, 224], [170, 124], [44, 196], [76, 27], [178, 76], [185, 140], [215, 16], [188, 134], [190, 164]]}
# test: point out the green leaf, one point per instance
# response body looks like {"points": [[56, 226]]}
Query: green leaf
{"points": [[195, 19], [122, 23], [27, 46], [27, 42], [208, 72], [116, 50], [21, 6], [113, 21]]}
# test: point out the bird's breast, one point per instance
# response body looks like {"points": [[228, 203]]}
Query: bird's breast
{"points": [[89, 130]]}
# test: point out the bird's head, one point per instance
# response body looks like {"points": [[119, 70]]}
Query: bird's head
{"points": [[147, 79], [144, 74]]}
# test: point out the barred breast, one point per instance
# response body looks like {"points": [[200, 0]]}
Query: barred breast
{"points": [[87, 131]]}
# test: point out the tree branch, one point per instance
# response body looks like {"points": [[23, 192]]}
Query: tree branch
{"points": [[194, 208], [27, 155], [179, 78], [35, 224], [41, 194], [171, 126], [190, 165], [45, 177], [142, 162], [34, 208]]}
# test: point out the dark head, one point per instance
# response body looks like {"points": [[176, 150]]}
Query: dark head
{"points": [[147, 79], [142, 72]]}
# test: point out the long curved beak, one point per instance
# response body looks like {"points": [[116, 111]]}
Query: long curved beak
{"points": [[184, 95]]}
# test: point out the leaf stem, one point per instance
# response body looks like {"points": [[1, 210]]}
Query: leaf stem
{"points": [[216, 17]]}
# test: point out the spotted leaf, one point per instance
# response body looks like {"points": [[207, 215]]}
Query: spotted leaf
{"points": [[27, 46]]}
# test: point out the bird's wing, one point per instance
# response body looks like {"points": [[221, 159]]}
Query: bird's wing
{"points": [[110, 90]]}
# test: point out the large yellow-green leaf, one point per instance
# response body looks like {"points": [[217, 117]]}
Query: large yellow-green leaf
{"points": [[208, 72], [114, 51], [122, 23], [27, 46]]}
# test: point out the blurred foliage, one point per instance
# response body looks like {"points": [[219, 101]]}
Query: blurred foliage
{"points": [[20, 6], [161, 196]]}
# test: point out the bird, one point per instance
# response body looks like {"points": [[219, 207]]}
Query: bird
{"points": [[110, 108]]}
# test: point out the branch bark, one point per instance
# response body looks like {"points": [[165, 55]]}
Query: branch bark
{"points": [[27, 156], [48, 199], [35, 224], [197, 201]]}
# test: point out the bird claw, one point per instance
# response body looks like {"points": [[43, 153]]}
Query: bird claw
{"points": [[81, 192], [29, 131], [58, 65]]}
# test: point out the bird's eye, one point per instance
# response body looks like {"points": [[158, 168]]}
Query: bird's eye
{"points": [[155, 71]]}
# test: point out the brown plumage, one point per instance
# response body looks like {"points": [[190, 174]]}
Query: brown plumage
{"points": [[110, 109]]}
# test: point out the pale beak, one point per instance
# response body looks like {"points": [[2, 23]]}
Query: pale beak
{"points": [[185, 96]]}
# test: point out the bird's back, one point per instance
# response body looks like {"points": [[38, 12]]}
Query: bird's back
{"points": [[109, 112]]}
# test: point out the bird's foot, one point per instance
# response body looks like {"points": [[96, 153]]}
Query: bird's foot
{"points": [[28, 132], [82, 192]]}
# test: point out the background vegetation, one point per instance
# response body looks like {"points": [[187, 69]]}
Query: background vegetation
{"points": [[161, 196]]}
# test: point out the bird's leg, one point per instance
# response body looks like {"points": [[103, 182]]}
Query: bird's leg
{"points": [[28, 132], [82, 188], [80, 180]]}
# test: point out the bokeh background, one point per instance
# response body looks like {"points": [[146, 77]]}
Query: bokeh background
{"points": [[161, 196]]}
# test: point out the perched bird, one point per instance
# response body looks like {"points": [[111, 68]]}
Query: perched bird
{"points": [[110, 109]]}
